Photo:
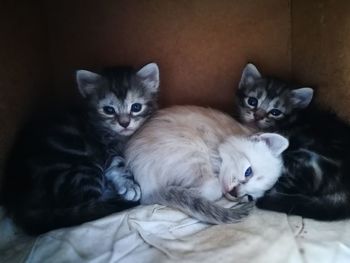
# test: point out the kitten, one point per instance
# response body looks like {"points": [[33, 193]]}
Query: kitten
{"points": [[187, 157], [67, 168], [315, 181]]}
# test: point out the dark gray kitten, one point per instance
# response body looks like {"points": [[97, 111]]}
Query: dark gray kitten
{"points": [[315, 182], [67, 168]]}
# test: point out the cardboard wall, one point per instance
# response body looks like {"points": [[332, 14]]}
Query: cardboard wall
{"points": [[321, 50], [24, 65], [200, 45]]}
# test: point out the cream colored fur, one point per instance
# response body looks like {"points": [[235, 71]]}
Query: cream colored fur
{"points": [[202, 150]]}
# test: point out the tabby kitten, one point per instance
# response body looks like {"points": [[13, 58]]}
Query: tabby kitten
{"points": [[187, 157], [315, 182], [67, 168]]}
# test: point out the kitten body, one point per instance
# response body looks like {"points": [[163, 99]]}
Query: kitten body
{"points": [[315, 181], [187, 157], [67, 168]]}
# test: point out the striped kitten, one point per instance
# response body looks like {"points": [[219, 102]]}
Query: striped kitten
{"points": [[315, 182], [67, 168], [187, 157]]}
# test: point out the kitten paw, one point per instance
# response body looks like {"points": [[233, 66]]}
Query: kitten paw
{"points": [[122, 180], [117, 161], [130, 191]]}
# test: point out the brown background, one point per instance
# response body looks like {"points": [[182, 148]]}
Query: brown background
{"points": [[201, 47]]}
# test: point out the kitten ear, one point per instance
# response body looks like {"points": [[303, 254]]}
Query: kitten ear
{"points": [[277, 143], [149, 76], [87, 82], [302, 97], [249, 75]]}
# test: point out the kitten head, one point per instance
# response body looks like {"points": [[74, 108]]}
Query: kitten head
{"points": [[120, 99], [265, 103], [251, 165]]}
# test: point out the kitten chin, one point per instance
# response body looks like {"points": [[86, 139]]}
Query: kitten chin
{"points": [[126, 132]]}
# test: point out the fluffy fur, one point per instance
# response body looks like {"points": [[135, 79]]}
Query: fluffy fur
{"points": [[187, 157], [66, 168], [315, 182]]}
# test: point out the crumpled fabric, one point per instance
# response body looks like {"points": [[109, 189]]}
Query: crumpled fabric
{"points": [[160, 234]]}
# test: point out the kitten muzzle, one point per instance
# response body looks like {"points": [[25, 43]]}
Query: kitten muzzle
{"points": [[233, 195], [124, 124], [259, 115], [234, 192], [124, 121]]}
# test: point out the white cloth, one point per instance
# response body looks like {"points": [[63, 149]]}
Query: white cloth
{"points": [[160, 234]]}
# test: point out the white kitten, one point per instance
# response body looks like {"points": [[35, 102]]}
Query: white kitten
{"points": [[250, 165], [186, 157]]}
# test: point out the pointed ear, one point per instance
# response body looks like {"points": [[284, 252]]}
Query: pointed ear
{"points": [[87, 82], [277, 143], [149, 76], [249, 75], [302, 97]]}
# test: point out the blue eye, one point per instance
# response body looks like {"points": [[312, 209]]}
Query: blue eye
{"points": [[275, 112], [248, 172], [252, 101], [136, 107], [109, 110]]}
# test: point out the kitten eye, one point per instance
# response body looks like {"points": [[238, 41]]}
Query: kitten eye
{"points": [[109, 110], [275, 112], [136, 107], [252, 101], [248, 172]]}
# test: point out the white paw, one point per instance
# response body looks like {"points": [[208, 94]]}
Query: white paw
{"points": [[117, 169], [122, 180], [130, 191]]}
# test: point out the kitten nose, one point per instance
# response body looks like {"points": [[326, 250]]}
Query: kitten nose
{"points": [[124, 121], [259, 115]]}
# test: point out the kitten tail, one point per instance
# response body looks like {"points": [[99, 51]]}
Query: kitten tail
{"points": [[191, 203]]}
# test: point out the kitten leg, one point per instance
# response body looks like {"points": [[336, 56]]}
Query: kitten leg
{"points": [[122, 180]]}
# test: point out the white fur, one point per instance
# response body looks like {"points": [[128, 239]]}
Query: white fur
{"points": [[180, 146], [261, 153]]}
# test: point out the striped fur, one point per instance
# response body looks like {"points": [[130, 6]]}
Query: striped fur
{"points": [[66, 167], [315, 182]]}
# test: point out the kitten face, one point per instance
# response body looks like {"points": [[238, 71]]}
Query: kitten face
{"points": [[123, 116], [120, 99], [251, 166], [265, 102]]}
